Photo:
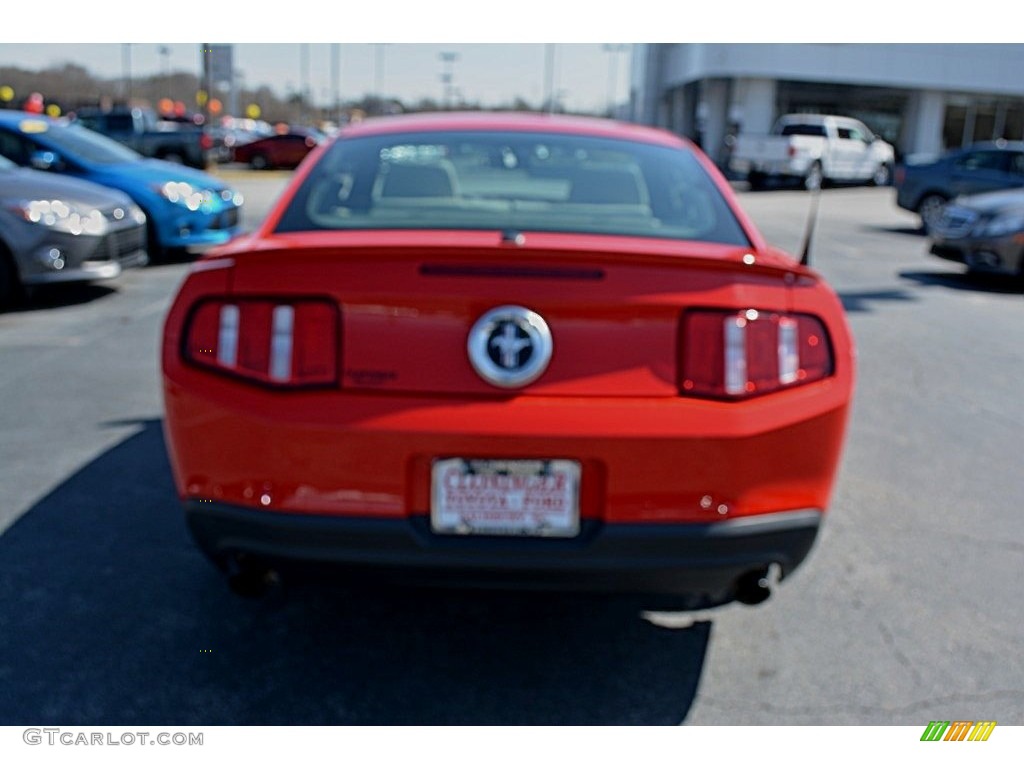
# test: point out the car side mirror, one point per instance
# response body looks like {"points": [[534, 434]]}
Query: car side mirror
{"points": [[44, 160]]}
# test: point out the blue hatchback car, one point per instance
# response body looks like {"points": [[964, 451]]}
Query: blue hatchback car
{"points": [[185, 208]]}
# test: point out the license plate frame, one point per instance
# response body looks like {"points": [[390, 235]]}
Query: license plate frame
{"points": [[526, 498]]}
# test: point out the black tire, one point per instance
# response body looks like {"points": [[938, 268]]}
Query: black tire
{"points": [[929, 208], [882, 176], [259, 162], [756, 180], [153, 247], [11, 290], [815, 177]]}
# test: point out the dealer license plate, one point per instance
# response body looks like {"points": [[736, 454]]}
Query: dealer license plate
{"points": [[499, 497]]}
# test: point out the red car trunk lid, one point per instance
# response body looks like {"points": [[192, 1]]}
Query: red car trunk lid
{"points": [[614, 316]]}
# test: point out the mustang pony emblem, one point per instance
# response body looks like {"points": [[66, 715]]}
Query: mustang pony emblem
{"points": [[510, 346]]}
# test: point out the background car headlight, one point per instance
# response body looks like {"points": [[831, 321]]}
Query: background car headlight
{"points": [[136, 214], [183, 193], [63, 216], [231, 196], [1002, 224]]}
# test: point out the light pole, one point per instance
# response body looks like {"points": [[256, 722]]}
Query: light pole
{"points": [[303, 80], [378, 70], [613, 49], [448, 59], [165, 55], [126, 67], [335, 79], [549, 78]]}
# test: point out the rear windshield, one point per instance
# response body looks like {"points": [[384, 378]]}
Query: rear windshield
{"points": [[512, 181]]}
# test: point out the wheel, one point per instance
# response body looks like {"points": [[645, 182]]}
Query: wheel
{"points": [[882, 175], [756, 180], [930, 210], [10, 284], [153, 247], [814, 178], [259, 162]]}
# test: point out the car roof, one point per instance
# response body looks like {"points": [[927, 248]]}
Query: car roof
{"points": [[511, 122]]}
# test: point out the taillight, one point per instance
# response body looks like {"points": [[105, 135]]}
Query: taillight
{"points": [[291, 343], [206, 141], [729, 354], [900, 176]]}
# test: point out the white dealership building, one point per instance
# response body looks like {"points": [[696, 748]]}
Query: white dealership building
{"points": [[922, 98]]}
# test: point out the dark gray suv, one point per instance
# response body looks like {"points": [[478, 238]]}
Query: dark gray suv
{"points": [[925, 188]]}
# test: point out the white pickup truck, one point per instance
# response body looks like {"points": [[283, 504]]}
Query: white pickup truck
{"points": [[814, 149]]}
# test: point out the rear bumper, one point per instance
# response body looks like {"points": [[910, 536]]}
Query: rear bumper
{"points": [[704, 561]]}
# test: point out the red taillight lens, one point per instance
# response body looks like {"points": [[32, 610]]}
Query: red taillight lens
{"points": [[206, 141], [900, 176], [728, 354], [291, 343]]}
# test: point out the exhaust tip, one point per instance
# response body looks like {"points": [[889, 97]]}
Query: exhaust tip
{"points": [[249, 579], [754, 587]]}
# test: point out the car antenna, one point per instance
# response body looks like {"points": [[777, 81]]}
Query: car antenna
{"points": [[812, 218]]}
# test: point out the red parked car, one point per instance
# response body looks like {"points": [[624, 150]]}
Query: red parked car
{"points": [[283, 150], [508, 349]]}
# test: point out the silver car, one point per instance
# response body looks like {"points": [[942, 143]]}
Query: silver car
{"points": [[985, 232], [57, 229]]}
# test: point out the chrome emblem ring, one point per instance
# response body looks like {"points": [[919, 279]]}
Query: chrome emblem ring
{"points": [[510, 346]]}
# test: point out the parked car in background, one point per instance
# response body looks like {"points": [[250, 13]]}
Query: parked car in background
{"points": [[814, 149], [924, 187], [225, 140], [510, 350], [984, 232], [58, 229], [283, 150], [184, 207], [143, 131]]}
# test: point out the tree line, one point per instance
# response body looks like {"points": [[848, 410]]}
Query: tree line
{"points": [[70, 86]]}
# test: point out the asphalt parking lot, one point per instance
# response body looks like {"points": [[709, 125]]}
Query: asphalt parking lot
{"points": [[907, 610]]}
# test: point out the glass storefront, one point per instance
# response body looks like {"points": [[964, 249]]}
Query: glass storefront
{"points": [[970, 120]]}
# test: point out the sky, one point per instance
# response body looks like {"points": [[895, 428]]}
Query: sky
{"points": [[500, 44], [584, 73]]}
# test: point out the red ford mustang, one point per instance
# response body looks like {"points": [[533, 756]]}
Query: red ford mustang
{"points": [[508, 350]]}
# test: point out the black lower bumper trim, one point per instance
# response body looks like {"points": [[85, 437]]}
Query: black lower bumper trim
{"points": [[690, 559]]}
